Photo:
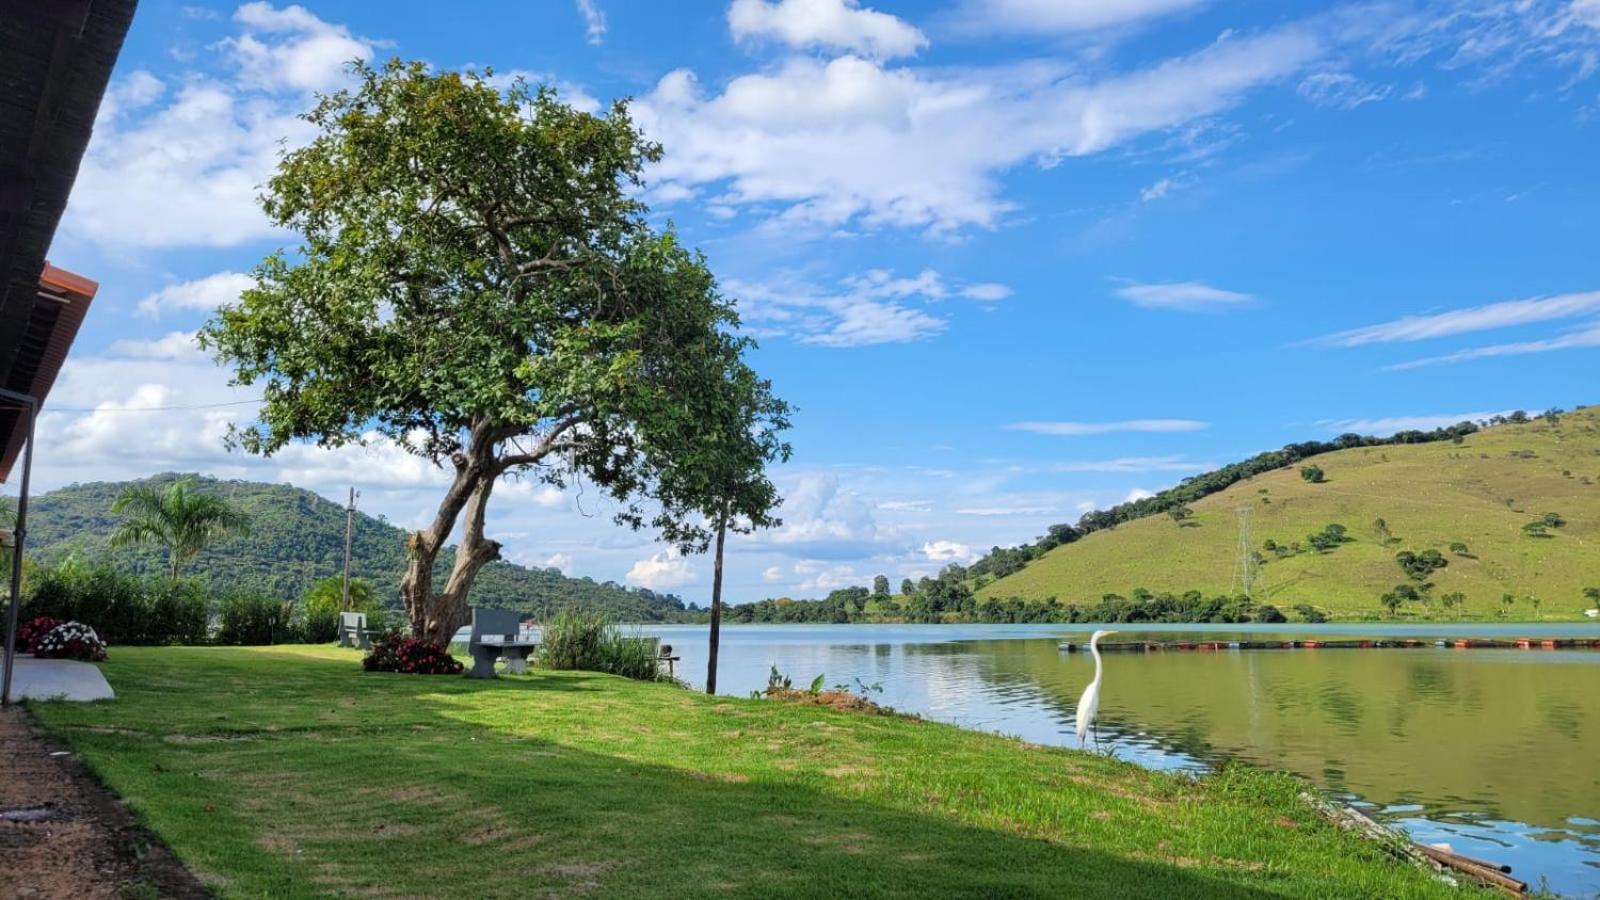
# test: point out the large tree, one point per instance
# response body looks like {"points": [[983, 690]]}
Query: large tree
{"points": [[476, 282]]}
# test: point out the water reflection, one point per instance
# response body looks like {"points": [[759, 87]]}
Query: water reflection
{"points": [[1491, 751]]}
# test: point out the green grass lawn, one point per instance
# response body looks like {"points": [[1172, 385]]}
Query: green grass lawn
{"points": [[289, 772], [1480, 493]]}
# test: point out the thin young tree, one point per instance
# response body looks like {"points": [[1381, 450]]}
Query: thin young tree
{"points": [[177, 518], [477, 283]]}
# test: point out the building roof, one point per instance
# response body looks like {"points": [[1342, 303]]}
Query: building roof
{"points": [[55, 60]]}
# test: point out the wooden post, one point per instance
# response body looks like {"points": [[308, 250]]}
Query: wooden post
{"points": [[716, 604]]}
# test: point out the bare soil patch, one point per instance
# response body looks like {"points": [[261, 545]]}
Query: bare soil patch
{"points": [[65, 835]]}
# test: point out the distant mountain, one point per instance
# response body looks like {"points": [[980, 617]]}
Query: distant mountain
{"points": [[297, 537], [1512, 511]]}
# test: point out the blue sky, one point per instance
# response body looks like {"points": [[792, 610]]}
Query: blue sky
{"points": [[1012, 259]]}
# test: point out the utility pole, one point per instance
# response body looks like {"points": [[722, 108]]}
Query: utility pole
{"points": [[349, 532]]}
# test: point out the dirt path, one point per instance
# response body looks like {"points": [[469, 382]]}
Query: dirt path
{"points": [[63, 834]]}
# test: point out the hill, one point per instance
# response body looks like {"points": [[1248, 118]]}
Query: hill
{"points": [[1473, 500], [297, 537]]}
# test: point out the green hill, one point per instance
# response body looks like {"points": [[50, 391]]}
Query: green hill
{"points": [[297, 537], [1482, 492]]}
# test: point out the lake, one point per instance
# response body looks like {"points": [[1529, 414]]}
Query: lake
{"points": [[1496, 752]]}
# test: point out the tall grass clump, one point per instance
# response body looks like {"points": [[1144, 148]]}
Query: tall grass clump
{"points": [[591, 642]]}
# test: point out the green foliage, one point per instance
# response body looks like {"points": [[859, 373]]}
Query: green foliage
{"points": [[477, 280], [1460, 548], [120, 607], [880, 586], [251, 617], [1311, 614], [591, 642], [1419, 566], [1181, 514], [320, 607], [1329, 538], [1313, 474], [297, 538], [178, 518]]}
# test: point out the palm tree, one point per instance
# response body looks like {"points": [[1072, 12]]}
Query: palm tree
{"points": [[177, 518]]}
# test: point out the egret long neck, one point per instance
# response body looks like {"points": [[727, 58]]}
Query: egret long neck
{"points": [[1094, 650]]}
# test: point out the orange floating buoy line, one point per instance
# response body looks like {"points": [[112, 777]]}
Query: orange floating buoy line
{"points": [[1351, 644]]}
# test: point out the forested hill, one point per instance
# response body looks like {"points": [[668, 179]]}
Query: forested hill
{"points": [[297, 537]]}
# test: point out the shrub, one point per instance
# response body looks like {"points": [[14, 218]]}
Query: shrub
{"points": [[410, 656], [1310, 613], [1313, 474], [29, 633], [122, 608], [1269, 613], [589, 641], [70, 640], [250, 617], [178, 612]]}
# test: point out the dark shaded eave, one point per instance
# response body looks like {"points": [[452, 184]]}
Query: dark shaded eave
{"points": [[56, 58], [59, 306]]}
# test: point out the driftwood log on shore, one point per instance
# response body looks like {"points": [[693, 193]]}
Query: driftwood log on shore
{"points": [[1485, 873]]}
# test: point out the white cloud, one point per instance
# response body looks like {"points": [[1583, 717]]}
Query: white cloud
{"points": [[1077, 429], [1586, 12], [848, 140], [906, 505], [1066, 16], [832, 24], [175, 345], [663, 571], [1133, 464], [1476, 318], [1392, 424], [202, 294], [825, 521], [772, 574], [866, 309], [827, 579], [948, 551], [987, 292], [1341, 90], [1181, 295], [594, 21], [558, 561], [305, 53], [1005, 511], [1584, 338], [1157, 191], [1137, 494]]}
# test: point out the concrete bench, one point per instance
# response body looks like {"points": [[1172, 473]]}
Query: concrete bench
{"points": [[496, 634], [353, 631]]}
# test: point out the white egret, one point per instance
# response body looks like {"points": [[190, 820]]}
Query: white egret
{"points": [[1089, 703]]}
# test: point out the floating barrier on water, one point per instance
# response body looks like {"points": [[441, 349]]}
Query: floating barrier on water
{"points": [[1351, 644]]}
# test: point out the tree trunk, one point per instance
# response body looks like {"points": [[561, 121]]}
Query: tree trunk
{"points": [[434, 617], [716, 606]]}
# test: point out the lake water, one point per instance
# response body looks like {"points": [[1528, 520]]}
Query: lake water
{"points": [[1495, 752]]}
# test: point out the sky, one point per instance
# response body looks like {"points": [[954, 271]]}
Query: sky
{"points": [[1011, 260]]}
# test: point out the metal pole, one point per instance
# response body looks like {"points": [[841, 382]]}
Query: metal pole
{"points": [[349, 530], [21, 531]]}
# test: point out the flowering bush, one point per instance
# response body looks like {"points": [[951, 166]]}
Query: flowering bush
{"points": [[30, 632], [70, 640], [396, 653]]}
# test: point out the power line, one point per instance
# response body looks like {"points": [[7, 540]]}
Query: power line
{"points": [[127, 409], [1246, 574]]}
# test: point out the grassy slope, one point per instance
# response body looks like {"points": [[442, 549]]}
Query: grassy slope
{"points": [[1430, 494], [288, 772]]}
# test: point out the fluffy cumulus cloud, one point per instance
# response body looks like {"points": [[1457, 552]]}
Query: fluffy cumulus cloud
{"points": [[849, 141], [948, 552], [661, 572], [873, 307], [1181, 295], [822, 520], [181, 164], [200, 295], [832, 24]]}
